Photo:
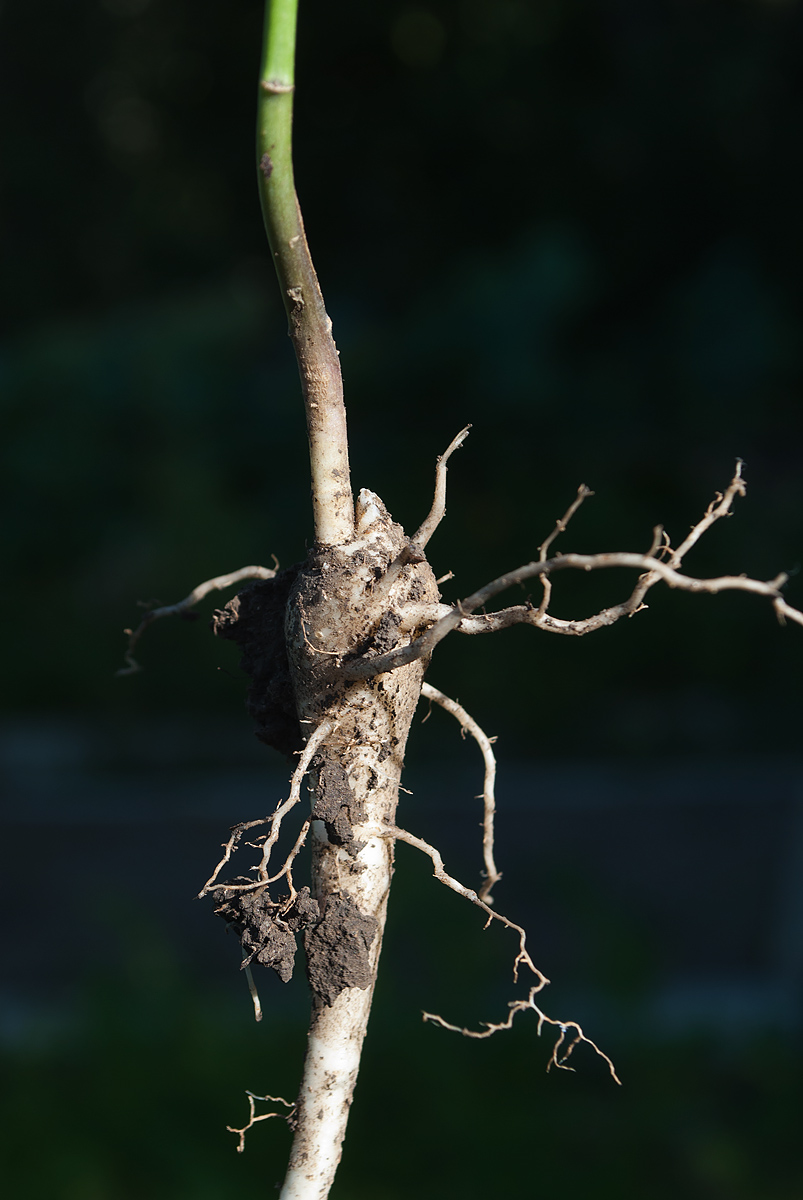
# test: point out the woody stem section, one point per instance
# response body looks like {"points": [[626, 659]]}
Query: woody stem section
{"points": [[309, 326]]}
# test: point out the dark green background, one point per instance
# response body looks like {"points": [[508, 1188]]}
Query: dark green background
{"points": [[574, 224]]}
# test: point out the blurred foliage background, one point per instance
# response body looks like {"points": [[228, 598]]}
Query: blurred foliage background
{"points": [[574, 223]]}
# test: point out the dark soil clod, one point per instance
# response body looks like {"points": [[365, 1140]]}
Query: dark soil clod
{"points": [[254, 619], [338, 948], [265, 928]]}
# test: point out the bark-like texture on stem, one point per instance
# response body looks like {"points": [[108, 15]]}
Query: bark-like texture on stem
{"points": [[337, 608], [309, 326]]}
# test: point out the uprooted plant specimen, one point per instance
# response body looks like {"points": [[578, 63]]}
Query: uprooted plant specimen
{"points": [[396, 621], [337, 648]]}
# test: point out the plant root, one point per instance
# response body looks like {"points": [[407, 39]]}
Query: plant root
{"points": [[253, 1119], [316, 739], [517, 1006], [469, 725], [184, 607]]}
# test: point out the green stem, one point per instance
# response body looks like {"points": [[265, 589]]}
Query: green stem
{"points": [[309, 326]]}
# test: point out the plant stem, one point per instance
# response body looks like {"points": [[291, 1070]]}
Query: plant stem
{"points": [[309, 326], [356, 769]]}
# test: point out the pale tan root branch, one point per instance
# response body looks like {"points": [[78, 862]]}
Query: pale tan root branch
{"points": [[440, 873], [525, 614], [523, 957], [438, 510], [319, 735], [784, 610], [459, 617], [560, 525], [469, 725], [719, 507], [443, 620], [252, 988], [286, 868], [219, 583], [517, 1006], [253, 1119]]}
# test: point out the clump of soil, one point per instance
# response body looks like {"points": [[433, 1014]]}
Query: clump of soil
{"points": [[337, 943], [266, 932], [254, 619], [335, 803], [337, 949]]}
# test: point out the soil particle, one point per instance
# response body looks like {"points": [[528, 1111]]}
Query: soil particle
{"points": [[335, 803], [264, 935], [387, 633], [338, 948], [254, 619]]}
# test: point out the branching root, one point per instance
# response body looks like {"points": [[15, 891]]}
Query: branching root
{"points": [[560, 525], [185, 607], [253, 1119], [438, 510], [660, 564], [516, 1006], [522, 959], [439, 871], [318, 736]]}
